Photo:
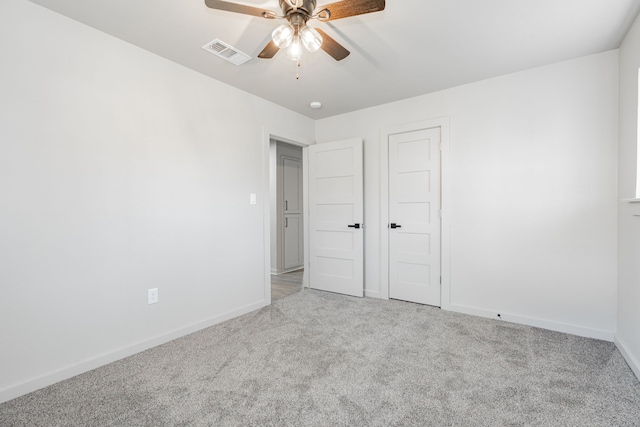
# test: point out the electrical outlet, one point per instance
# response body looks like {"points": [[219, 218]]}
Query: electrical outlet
{"points": [[152, 296]]}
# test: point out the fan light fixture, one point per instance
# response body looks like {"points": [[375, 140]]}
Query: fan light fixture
{"points": [[288, 36], [282, 36], [295, 49], [311, 39]]}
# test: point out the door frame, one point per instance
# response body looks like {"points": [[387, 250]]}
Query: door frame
{"points": [[284, 136], [445, 239]]}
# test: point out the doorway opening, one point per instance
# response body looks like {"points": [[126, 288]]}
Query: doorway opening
{"points": [[287, 218]]}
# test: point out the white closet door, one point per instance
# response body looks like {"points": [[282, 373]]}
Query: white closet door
{"points": [[414, 216]]}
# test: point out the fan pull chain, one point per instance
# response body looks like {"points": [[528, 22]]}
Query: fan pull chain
{"points": [[298, 72]]}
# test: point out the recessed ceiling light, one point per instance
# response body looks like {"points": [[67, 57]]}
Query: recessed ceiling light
{"points": [[315, 105]]}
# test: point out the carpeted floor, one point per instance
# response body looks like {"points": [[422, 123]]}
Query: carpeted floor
{"points": [[321, 359]]}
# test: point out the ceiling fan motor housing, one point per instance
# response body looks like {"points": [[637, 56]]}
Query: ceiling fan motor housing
{"points": [[307, 8]]}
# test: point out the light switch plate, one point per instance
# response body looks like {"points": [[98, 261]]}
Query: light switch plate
{"points": [[152, 296], [252, 198]]}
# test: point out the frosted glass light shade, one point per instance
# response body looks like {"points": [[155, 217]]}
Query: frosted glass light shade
{"points": [[311, 39], [295, 50], [282, 36]]}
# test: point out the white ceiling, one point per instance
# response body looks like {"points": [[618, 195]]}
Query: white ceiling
{"points": [[411, 48]]}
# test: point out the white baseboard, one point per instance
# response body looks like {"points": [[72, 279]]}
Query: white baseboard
{"points": [[67, 372], [538, 323], [289, 270], [633, 363]]}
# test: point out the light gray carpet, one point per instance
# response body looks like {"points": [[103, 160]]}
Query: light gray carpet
{"points": [[320, 359]]}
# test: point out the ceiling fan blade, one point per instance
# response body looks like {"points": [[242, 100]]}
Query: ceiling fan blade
{"points": [[347, 8], [269, 50], [240, 8], [332, 47]]}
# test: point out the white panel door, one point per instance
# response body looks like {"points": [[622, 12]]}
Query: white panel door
{"points": [[293, 253], [414, 216], [336, 237]]}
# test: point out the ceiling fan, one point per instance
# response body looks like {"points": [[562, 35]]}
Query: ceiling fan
{"points": [[295, 33]]}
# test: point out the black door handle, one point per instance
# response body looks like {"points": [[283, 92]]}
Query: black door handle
{"points": [[394, 225], [356, 225]]}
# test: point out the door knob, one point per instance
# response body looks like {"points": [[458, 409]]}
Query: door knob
{"points": [[356, 225], [394, 225]]}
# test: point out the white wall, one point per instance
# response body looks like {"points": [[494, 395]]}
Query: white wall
{"points": [[628, 333], [120, 171], [532, 192]]}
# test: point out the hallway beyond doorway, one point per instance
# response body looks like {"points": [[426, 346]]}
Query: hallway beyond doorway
{"points": [[283, 285]]}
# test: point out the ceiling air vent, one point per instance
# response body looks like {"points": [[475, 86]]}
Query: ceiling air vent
{"points": [[226, 52]]}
